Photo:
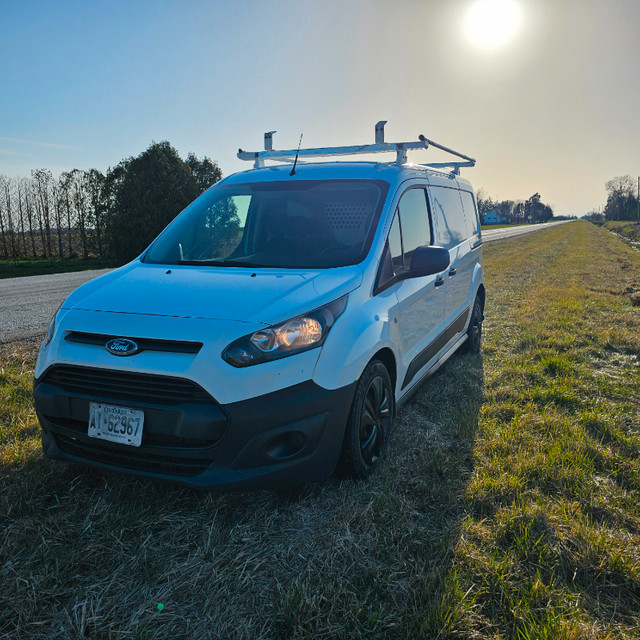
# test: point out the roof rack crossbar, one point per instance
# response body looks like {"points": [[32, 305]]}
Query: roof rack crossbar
{"points": [[380, 146]]}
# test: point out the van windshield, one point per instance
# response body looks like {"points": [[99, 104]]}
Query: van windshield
{"points": [[308, 224]]}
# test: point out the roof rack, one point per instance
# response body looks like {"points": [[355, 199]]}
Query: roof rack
{"points": [[380, 146]]}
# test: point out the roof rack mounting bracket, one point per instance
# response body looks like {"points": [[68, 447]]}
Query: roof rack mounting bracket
{"points": [[379, 146], [268, 140], [401, 157]]}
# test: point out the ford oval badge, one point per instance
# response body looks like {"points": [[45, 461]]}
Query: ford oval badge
{"points": [[122, 347]]}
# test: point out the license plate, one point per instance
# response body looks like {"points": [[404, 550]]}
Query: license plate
{"points": [[116, 424]]}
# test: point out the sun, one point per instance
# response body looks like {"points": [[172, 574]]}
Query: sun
{"points": [[492, 24]]}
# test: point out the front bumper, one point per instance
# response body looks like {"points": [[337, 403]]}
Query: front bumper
{"points": [[275, 439]]}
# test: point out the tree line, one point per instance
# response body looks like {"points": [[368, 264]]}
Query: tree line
{"points": [[622, 201], [90, 214], [529, 211]]}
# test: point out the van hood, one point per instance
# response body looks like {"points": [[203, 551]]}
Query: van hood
{"points": [[265, 296]]}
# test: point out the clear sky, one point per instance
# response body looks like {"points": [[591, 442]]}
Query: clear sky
{"points": [[544, 93]]}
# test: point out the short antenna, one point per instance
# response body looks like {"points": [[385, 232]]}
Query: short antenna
{"points": [[295, 162]]}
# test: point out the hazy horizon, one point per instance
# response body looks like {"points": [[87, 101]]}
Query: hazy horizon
{"points": [[541, 93]]}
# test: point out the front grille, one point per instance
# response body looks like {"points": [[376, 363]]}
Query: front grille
{"points": [[144, 344], [135, 459], [126, 385]]}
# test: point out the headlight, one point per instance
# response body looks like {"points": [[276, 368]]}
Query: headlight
{"points": [[52, 328], [285, 339]]}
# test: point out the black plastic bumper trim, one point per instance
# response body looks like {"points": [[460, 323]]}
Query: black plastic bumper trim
{"points": [[287, 436]]}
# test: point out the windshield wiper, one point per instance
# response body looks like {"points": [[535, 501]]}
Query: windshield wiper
{"points": [[219, 263]]}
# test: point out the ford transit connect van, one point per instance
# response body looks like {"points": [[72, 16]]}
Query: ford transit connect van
{"points": [[270, 333]]}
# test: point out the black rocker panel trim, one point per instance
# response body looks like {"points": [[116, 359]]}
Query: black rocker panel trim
{"points": [[434, 347]]}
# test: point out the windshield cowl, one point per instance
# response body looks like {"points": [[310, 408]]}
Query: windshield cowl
{"points": [[220, 263]]}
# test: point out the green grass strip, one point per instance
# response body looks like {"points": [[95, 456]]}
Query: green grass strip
{"points": [[38, 267]]}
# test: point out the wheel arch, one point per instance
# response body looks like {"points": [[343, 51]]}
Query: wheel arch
{"points": [[388, 359]]}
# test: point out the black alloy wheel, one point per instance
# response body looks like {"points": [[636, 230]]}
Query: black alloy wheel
{"points": [[370, 420], [374, 414]]}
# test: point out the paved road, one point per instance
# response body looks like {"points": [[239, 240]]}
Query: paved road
{"points": [[492, 235], [27, 304]]}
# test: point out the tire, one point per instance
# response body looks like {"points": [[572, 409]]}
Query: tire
{"points": [[369, 423], [474, 331]]}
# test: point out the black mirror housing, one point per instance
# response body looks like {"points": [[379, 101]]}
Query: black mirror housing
{"points": [[428, 260]]}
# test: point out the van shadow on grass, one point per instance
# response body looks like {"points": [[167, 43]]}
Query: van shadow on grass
{"points": [[89, 553]]}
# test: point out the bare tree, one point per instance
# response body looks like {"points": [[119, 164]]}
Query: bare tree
{"points": [[57, 204], [42, 179], [9, 227], [78, 198], [621, 200], [24, 188], [3, 233], [97, 207], [64, 187], [21, 217]]}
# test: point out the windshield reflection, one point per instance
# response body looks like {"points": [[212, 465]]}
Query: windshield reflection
{"points": [[306, 224]]}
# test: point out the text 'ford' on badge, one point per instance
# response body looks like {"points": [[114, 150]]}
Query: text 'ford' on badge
{"points": [[122, 347]]}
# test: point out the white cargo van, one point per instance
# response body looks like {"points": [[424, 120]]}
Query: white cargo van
{"points": [[274, 327]]}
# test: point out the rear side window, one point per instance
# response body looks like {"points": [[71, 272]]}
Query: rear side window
{"points": [[470, 213], [449, 216]]}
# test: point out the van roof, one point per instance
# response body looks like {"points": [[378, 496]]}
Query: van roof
{"points": [[389, 171]]}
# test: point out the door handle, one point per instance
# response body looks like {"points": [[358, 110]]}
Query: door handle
{"points": [[439, 281], [452, 272]]}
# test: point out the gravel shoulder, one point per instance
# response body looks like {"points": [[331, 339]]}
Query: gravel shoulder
{"points": [[28, 303]]}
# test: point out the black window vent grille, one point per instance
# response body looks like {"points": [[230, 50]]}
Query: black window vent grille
{"points": [[112, 385]]}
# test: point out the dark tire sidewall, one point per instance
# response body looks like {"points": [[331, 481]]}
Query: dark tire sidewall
{"points": [[353, 461], [474, 332]]}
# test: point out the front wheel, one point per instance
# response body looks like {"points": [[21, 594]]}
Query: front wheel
{"points": [[369, 424]]}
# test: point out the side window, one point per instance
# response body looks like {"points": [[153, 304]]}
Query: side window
{"points": [[391, 261], [450, 221], [395, 245], [414, 220], [470, 213], [411, 228]]}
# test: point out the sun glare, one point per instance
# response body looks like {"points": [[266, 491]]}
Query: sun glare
{"points": [[492, 24]]}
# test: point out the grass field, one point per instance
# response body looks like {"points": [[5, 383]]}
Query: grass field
{"points": [[509, 505], [17, 268]]}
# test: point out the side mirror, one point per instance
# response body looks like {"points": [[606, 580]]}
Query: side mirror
{"points": [[428, 260]]}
